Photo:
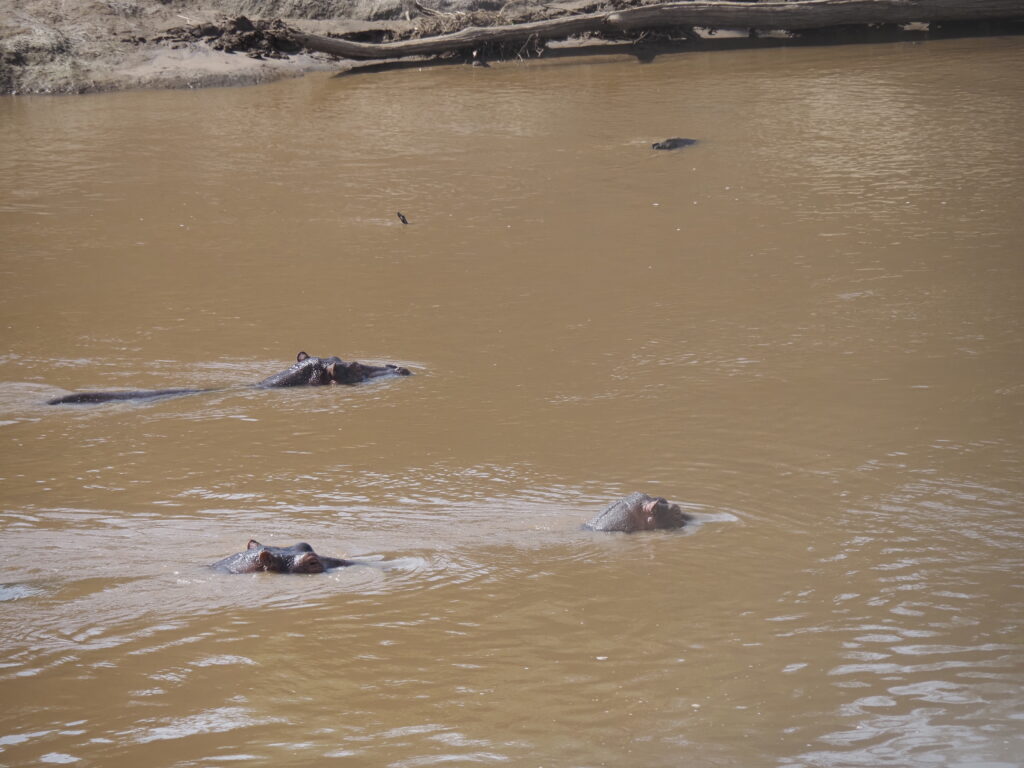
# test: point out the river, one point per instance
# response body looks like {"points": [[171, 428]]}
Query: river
{"points": [[807, 329]]}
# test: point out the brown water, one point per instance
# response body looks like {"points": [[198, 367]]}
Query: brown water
{"points": [[808, 329]]}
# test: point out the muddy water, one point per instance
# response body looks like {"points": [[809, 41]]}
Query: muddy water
{"points": [[807, 329]]}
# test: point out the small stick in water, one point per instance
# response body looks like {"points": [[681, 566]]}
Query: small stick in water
{"points": [[401, 218]]}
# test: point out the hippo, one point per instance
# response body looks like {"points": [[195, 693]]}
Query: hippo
{"points": [[308, 371], [318, 371], [673, 143], [298, 558], [639, 512]]}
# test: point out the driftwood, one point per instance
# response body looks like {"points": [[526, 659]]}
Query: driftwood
{"points": [[793, 15]]}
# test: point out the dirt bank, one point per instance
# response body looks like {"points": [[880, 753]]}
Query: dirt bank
{"points": [[79, 46], [53, 46]]}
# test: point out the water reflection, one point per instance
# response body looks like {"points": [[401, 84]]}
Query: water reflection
{"points": [[914, 676]]}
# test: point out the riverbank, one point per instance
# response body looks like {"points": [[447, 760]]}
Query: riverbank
{"points": [[53, 47], [47, 46]]}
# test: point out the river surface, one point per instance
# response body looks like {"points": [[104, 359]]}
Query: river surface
{"points": [[807, 329]]}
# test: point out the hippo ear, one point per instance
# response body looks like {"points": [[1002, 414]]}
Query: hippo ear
{"points": [[301, 356], [253, 544]]}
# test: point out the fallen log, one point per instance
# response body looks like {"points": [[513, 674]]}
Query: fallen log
{"points": [[794, 15]]}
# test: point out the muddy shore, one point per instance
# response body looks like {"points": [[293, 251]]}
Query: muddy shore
{"points": [[61, 47], [50, 46], [55, 47]]}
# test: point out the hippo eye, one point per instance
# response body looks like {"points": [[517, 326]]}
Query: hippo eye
{"points": [[303, 546]]}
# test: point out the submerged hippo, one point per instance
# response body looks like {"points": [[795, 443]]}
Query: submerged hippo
{"points": [[298, 558], [639, 512], [673, 143], [307, 371]]}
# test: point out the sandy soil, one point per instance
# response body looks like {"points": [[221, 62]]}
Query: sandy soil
{"points": [[79, 46]]}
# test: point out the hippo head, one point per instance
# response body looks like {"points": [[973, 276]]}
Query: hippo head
{"points": [[661, 513], [298, 558], [639, 512], [331, 370], [340, 372]]}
